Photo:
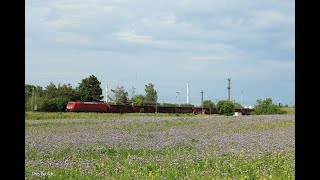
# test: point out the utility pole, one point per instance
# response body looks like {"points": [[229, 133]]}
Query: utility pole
{"points": [[177, 97], [132, 91], [229, 87], [202, 101], [188, 93], [35, 101], [156, 103], [107, 93]]}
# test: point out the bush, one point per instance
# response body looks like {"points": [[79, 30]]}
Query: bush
{"points": [[208, 104], [266, 107], [238, 106], [54, 104], [225, 107], [169, 105]]}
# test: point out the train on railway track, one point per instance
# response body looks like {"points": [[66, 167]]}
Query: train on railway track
{"points": [[103, 107]]}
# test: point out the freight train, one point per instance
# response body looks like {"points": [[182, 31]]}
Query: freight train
{"points": [[76, 106]]}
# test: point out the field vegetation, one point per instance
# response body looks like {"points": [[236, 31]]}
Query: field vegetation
{"points": [[289, 110], [80, 115], [162, 146]]}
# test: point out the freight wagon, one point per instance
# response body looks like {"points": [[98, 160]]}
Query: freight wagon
{"points": [[74, 106]]}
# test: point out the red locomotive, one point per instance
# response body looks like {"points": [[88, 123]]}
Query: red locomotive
{"points": [[75, 106]]}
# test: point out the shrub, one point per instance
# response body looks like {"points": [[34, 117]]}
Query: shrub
{"points": [[54, 104], [266, 107], [208, 104], [225, 107]]}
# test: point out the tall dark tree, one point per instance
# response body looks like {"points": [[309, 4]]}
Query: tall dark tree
{"points": [[67, 91], [120, 95], [51, 91], [151, 94], [89, 90]]}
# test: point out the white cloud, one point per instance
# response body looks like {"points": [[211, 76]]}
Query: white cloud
{"points": [[133, 37], [272, 18], [210, 58], [248, 40]]}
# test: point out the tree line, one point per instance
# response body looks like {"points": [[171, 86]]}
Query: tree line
{"points": [[55, 97]]}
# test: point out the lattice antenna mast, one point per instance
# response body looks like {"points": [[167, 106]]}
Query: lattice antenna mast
{"points": [[188, 93], [229, 88], [107, 93], [133, 91], [177, 98]]}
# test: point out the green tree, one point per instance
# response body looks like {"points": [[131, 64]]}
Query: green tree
{"points": [[225, 107], [267, 107], [120, 95], [28, 90], [57, 104], [238, 106], [208, 104], [151, 94], [67, 92], [28, 95], [51, 91], [89, 90], [138, 100]]}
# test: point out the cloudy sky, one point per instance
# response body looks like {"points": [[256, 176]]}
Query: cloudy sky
{"points": [[169, 43]]}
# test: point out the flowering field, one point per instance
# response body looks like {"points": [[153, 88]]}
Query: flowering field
{"points": [[152, 147]]}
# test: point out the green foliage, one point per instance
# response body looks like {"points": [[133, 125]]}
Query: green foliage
{"points": [[51, 90], [208, 104], [123, 164], [267, 107], [57, 104], [151, 94], [169, 105], [138, 100], [38, 101], [288, 110], [28, 94], [53, 98], [185, 160], [89, 90], [28, 90], [238, 106], [186, 105], [70, 115], [65, 91], [120, 95], [226, 107]]}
